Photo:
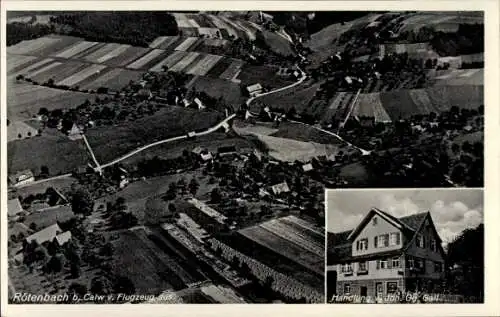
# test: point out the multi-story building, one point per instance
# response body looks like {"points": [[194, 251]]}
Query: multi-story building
{"points": [[386, 255]]}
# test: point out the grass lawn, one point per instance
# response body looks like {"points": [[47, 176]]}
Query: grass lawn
{"points": [[52, 149], [109, 143], [216, 88]]}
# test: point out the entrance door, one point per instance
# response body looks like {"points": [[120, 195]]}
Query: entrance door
{"points": [[379, 287], [363, 291]]}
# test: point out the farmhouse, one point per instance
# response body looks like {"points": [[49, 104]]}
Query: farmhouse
{"points": [[280, 188], [21, 178], [226, 150], [75, 133], [14, 207], [385, 254], [254, 90], [45, 235]]}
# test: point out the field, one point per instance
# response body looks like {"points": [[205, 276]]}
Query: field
{"points": [[289, 150], [34, 152], [150, 267], [302, 132], [273, 259], [324, 43], [217, 88], [460, 77], [25, 100], [287, 237], [265, 75], [109, 143], [392, 105], [297, 97], [441, 21], [277, 43]]}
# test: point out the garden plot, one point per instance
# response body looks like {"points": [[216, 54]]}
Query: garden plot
{"points": [[128, 56], [204, 66], [59, 72], [422, 101], [170, 61], [43, 69], [35, 66], [163, 42], [370, 105], [233, 69], [282, 246], [17, 61], [145, 59], [111, 78], [184, 46], [216, 42], [75, 49], [221, 24], [184, 62], [220, 67], [465, 77], [444, 97], [81, 75], [31, 46], [237, 28]]}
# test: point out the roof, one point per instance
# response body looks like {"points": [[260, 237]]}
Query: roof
{"points": [[14, 207], [339, 244], [226, 149], [47, 234], [63, 237], [26, 173], [197, 150], [280, 188], [254, 87], [307, 167]]}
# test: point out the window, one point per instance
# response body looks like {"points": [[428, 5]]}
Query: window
{"points": [[438, 267], [383, 240], [347, 268], [395, 238], [362, 244], [381, 264], [411, 263], [374, 221], [420, 264], [362, 267], [392, 287], [433, 245], [347, 289], [395, 262], [420, 241]]}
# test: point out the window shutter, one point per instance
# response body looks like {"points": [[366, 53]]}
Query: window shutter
{"points": [[378, 264], [386, 238], [398, 238], [389, 263], [375, 241]]}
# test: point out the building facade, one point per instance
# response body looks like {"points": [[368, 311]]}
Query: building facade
{"points": [[384, 256]]}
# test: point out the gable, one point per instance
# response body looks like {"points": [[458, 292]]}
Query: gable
{"points": [[369, 218]]}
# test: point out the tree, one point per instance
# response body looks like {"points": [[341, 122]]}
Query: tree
{"points": [[82, 202], [235, 262], [193, 186], [100, 285], [33, 226], [56, 263], [466, 258], [75, 270], [215, 196], [107, 249], [44, 170], [77, 289], [124, 285]]}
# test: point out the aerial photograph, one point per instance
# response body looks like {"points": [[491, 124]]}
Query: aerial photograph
{"points": [[182, 157], [405, 246]]}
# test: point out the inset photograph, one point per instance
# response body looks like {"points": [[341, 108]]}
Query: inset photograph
{"points": [[405, 246]]}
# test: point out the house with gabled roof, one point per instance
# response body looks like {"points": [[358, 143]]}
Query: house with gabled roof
{"points": [[14, 207], [385, 255]]}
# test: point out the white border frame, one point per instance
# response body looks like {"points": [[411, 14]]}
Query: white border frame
{"points": [[491, 172]]}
